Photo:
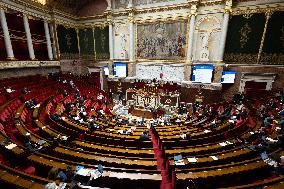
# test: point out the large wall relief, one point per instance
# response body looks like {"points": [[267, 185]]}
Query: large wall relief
{"points": [[207, 35], [121, 41], [161, 40]]}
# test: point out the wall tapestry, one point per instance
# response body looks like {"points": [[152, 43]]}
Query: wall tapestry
{"points": [[244, 38], [273, 48], [161, 40], [86, 41], [68, 42], [102, 43]]}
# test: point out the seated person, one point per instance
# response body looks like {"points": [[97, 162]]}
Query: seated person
{"points": [[62, 176], [69, 173], [91, 127], [29, 144], [144, 136], [52, 175]]}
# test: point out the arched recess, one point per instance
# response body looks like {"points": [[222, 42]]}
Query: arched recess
{"points": [[207, 34]]}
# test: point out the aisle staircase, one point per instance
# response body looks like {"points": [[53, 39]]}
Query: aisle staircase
{"points": [[168, 175]]}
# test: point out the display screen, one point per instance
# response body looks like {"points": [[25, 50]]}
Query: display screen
{"points": [[202, 73], [106, 70], [228, 77], [120, 69]]}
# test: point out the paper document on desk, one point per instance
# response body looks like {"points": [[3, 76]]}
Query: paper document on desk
{"points": [[83, 172], [62, 185], [214, 157], [120, 131], [228, 142], [179, 162], [206, 131], [192, 160], [271, 140], [223, 144], [11, 146]]}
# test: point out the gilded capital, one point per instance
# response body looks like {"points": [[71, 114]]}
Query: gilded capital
{"points": [[131, 19], [268, 13], [228, 6], [193, 9], [109, 12], [109, 22]]}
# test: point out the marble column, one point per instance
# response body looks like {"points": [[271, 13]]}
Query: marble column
{"points": [[111, 52], [29, 37], [190, 37], [131, 38], [48, 42], [52, 33], [223, 35], [7, 40]]}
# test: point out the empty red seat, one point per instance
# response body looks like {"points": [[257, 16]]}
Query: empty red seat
{"points": [[29, 170]]}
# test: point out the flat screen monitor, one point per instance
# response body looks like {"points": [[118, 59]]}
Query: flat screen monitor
{"points": [[106, 70], [228, 77], [177, 157], [202, 73], [120, 69]]}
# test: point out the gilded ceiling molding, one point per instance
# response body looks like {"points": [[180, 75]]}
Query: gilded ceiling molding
{"points": [[161, 18], [65, 23], [41, 13], [210, 2]]}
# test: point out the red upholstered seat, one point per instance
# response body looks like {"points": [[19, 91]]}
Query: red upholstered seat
{"points": [[29, 170], [1, 158]]}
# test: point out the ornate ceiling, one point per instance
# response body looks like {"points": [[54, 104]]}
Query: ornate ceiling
{"points": [[79, 7], [95, 7]]}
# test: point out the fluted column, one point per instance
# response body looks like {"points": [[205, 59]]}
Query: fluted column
{"points": [[224, 30], [223, 36], [52, 33], [111, 52], [111, 42], [191, 33], [48, 42], [7, 40], [29, 37], [131, 37]]}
